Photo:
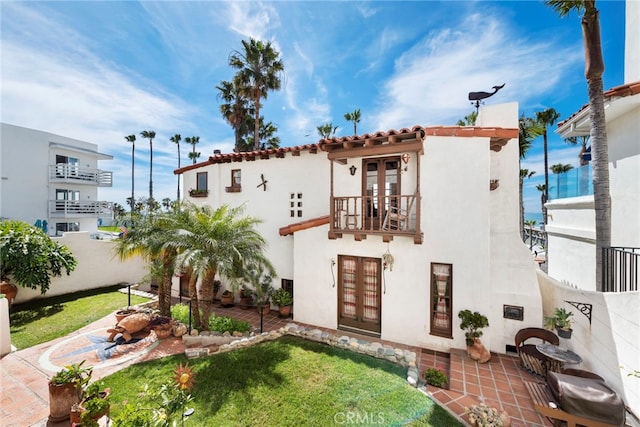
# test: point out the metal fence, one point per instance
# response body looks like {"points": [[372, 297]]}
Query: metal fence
{"points": [[620, 269]]}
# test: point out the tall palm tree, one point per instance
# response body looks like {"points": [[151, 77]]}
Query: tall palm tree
{"points": [[150, 134], [235, 110], [530, 223], [594, 68], [468, 120], [176, 140], [543, 196], [528, 131], [559, 168], [524, 174], [355, 118], [546, 118], [259, 71], [193, 140], [218, 242], [267, 135], [327, 131], [132, 140]]}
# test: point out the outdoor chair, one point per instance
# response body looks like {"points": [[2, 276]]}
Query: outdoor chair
{"points": [[398, 218], [530, 358]]}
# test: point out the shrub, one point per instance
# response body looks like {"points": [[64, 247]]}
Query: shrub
{"points": [[224, 324], [472, 323], [180, 312], [435, 377]]}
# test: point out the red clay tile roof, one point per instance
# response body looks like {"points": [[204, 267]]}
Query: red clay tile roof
{"points": [[621, 91], [303, 225], [250, 156]]}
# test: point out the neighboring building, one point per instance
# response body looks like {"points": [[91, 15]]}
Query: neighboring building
{"points": [[51, 181], [392, 234], [607, 324]]}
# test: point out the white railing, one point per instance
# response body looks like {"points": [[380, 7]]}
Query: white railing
{"points": [[75, 208], [77, 175]]}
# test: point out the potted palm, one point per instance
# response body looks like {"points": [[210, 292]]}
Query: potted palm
{"points": [[246, 297], [283, 300], [30, 258], [560, 321], [66, 389], [226, 299], [263, 295]]}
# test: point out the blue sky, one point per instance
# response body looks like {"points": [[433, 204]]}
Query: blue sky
{"points": [[98, 71]]}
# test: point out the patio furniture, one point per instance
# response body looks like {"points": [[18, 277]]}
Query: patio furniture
{"points": [[546, 404], [558, 356], [530, 357]]}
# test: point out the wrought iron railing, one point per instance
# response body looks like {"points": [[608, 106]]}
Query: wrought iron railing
{"points": [[77, 175], [71, 208], [396, 214], [620, 269]]}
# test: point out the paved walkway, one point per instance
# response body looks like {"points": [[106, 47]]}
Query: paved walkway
{"points": [[24, 395]]}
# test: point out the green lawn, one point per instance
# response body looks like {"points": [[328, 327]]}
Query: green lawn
{"points": [[43, 320], [288, 382]]}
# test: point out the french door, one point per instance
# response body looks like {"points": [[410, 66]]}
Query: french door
{"points": [[381, 180], [359, 294]]}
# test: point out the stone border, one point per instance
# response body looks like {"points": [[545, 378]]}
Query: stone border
{"points": [[197, 346]]}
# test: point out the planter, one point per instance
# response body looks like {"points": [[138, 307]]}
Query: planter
{"points": [[61, 399], [245, 302], [9, 290], [478, 352], [564, 333], [266, 308], [77, 410], [284, 311], [226, 299], [121, 314]]}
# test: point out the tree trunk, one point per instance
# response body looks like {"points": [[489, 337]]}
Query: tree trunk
{"points": [[546, 177], [256, 129], [193, 295], [601, 194], [206, 297], [164, 290]]}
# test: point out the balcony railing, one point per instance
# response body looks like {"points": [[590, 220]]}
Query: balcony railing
{"points": [[76, 208], [386, 215], [574, 183], [620, 269], [63, 172]]}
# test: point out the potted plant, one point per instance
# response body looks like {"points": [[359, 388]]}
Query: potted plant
{"points": [[263, 295], [246, 297], [283, 300], [560, 321], [226, 299], [93, 406], [30, 258], [66, 388], [472, 322]]}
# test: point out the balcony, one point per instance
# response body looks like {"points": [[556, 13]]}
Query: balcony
{"points": [[620, 267], [76, 209], [386, 216], [574, 183], [63, 172]]}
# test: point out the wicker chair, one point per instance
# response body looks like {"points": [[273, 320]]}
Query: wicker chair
{"points": [[530, 358]]}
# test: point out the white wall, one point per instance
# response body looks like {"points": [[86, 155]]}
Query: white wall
{"points": [[97, 267], [610, 344], [632, 42]]}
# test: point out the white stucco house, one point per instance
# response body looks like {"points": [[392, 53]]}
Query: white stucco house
{"points": [[51, 181], [391, 234], [607, 322]]}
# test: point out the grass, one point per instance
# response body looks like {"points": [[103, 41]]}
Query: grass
{"points": [[46, 319], [288, 382]]}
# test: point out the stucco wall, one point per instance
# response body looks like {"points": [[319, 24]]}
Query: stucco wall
{"points": [[610, 344], [97, 267]]}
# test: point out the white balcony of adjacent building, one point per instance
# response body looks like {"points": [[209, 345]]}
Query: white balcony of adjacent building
{"points": [[79, 209], [69, 173]]}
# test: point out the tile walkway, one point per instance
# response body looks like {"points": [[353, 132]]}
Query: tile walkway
{"points": [[498, 383]]}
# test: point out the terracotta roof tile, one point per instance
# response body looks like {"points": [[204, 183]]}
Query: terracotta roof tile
{"points": [[621, 91], [303, 225]]}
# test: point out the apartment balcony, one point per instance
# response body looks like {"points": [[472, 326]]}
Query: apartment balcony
{"points": [[77, 209], [574, 183], [387, 216], [72, 174]]}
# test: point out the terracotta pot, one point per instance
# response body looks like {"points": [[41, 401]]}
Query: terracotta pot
{"points": [[245, 302], [478, 352], [266, 308], [285, 311], [9, 290], [61, 399], [226, 299], [121, 314]]}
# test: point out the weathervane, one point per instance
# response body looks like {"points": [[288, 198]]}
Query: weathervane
{"points": [[479, 96]]}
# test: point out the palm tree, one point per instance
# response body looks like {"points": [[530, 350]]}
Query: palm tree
{"points": [[193, 140], [594, 68], [530, 223], [528, 131], [546, 118], [355, 118], [259, 72], [150, 134], [327, 131], [176, 139], [560, 169], [218, 242], [267, 134], [524, 174], [235, 110], [469, 120], [132, 140], [543, 197]]}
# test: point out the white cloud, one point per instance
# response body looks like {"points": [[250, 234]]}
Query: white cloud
{"points": [[250, 19]]}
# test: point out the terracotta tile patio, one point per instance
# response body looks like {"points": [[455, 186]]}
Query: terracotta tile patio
{"points": [[498, 383]]}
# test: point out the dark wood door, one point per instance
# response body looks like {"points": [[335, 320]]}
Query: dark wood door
{"points": [[381, 180], [359, 294]]}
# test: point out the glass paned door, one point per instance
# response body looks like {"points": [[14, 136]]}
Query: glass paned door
{"points": [[359, 294], [381, 181]]}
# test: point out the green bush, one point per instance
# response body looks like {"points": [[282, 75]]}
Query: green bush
{"points": [[220, 324], [435, 377]]}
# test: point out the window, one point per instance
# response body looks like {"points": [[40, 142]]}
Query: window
{"points": [[359, 294], [235, 186], [201, 181], [440, 299], [62, 227], [64, 198], [66, 166], [295, 202]]}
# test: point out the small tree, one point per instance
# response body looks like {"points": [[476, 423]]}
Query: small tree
{"points": [[30, 256], [471, 323]]}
